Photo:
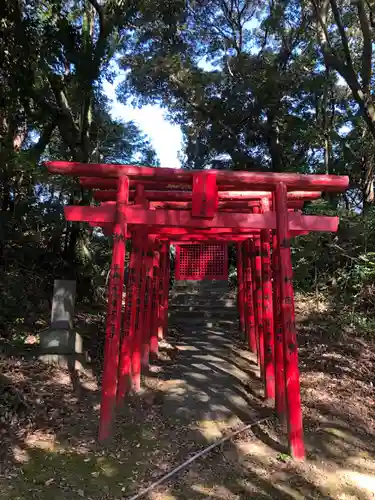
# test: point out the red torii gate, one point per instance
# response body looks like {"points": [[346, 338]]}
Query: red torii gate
{"points": [[255, 210]]}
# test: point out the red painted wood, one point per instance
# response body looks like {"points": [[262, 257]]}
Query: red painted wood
{"points": [[148, 301], [126, 375], [165, 191], [204, 195], [139, 198], [149, 184], [246, 278], [280, 404], [139, 324], [257, 180], [293, 396], [134, 297], [177, 265], [223, 206], [182, 200], [185, 240], [249, 298], [166, 290], [113, 326], [240, 286], [179, 218], [258, 299], [175, 231], [232, 195], [156, 285], [268, 327], [163, 306], [202, 261]]}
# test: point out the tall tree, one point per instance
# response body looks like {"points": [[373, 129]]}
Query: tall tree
{"points": [[346, 35], [240, 77]]}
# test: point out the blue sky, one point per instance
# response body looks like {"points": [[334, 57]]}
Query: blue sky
{"points": [[165, 137]]}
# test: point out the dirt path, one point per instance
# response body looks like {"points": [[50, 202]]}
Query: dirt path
{"points": [[213, 379], [203, 385]]}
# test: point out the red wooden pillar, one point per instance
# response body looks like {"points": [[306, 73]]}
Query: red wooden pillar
{"points": [[258, 296], [164, 289], [279, 347], [134, 331], [240, 287], [248, 298], [149, 261], [129, 372], [155, 300], [128, 338], [113, 326], [268, 326], [292, 384], [140, 320]]}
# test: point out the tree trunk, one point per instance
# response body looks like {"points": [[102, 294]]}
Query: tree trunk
{"points": [[274, 143], [368, 183]]}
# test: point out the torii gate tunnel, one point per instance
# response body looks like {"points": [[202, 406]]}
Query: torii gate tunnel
{"points": [[157, 207]]}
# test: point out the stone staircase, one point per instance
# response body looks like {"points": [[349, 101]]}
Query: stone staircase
{"points": [[203, 303]]}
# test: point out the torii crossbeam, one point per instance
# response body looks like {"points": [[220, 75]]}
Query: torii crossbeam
{"points": [[155, 207]]}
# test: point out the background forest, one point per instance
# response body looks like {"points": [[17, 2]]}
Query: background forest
{"points": [[283, 85]]}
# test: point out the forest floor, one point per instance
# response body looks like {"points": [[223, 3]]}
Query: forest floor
{"points": [[203, 386]]}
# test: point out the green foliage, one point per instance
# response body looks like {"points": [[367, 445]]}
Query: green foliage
{"points": [[252, 85], [56, 56], [340, 265]]}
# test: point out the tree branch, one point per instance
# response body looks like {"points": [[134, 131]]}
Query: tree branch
{"points": [[344, 38], [321, 14], [62, 102], [38, 149], [367, 46], [100, 11], [371, 13]]}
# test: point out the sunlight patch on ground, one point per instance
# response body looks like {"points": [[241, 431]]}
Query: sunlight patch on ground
{"points": [[20, 456], [364, 482], [255, 448], [210, 430], [285, 488], [154, 495], [42, 440], [212, 492]]}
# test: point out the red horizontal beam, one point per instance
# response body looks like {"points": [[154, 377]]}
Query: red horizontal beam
{"points": [[220, 237], [256, 180], [155, 185], [172, 234], [178, 231], [203, 239], [232, 195], [243, 196], [111, 183], [105, 190], [180, 218], [223, 205], [179, 200]]}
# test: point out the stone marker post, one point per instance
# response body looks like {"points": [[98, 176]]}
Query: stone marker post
{"points": [[60, 343]]}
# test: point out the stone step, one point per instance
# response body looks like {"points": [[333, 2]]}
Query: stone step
{"points": [[202, 283], [204, 323], [199, 291], [203, 313], [212, 306], [200, 286], [203, 301]]}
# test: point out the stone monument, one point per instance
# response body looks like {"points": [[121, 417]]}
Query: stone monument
{"points": [[60, 343]]}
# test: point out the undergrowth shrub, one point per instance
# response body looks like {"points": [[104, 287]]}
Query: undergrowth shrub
{"points": [[340, 265]]}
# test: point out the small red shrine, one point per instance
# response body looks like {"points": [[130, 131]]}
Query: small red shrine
{"points": [[201, 212]]}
